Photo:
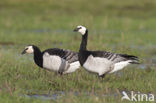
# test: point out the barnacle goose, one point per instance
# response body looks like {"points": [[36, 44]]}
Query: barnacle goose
{"points": [[101, 62], [58, 60]]}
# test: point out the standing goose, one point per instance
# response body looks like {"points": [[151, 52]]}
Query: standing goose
{"points": [[58, 60], [101, 62]]}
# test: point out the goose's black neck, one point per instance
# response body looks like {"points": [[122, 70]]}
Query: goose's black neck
{"points": [[83, 53], [38, 56], [83, 45]]}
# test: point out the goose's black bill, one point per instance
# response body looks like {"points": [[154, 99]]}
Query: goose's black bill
{"points": [[24, 51], [76, 29]]}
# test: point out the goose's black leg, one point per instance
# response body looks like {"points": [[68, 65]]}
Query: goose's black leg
{"points": [[60, 72], [102, 76]]}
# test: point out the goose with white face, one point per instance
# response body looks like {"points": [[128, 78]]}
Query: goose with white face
{"points": [[101, 62], [54, 59], [81, 29], [28, 50]]}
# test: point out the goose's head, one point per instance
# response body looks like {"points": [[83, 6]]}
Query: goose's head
{"points": [[81, 29], [28, 49]]}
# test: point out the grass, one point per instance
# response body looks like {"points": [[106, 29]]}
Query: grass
{"points": [[122, 27]]}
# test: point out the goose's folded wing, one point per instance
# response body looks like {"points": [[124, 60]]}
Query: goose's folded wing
{"points": [[114, 57], [68, 55]]}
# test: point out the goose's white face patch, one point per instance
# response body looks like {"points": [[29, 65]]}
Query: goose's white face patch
{"points": [[29, 49], [82, 29]]}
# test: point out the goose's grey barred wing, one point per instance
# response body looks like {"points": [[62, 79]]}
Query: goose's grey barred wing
{"points": [[114, 57], [68, 55]]}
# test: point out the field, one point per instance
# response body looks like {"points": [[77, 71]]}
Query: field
{"points": [[121, 27]]}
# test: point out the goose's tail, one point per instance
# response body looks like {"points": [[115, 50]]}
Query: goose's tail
{"points": [[126, 60], [133, 59]]}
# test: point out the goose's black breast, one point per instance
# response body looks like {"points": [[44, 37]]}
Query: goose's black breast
{"points": [[83, 56], [38, 58]]}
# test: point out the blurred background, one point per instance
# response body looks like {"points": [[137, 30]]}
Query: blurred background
{"points": [[122, 26], [22, 19]]}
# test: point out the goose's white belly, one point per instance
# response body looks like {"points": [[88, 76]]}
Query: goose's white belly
{"points": [[73, 67], [120, 65], [98, 65], [51, 62]]}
